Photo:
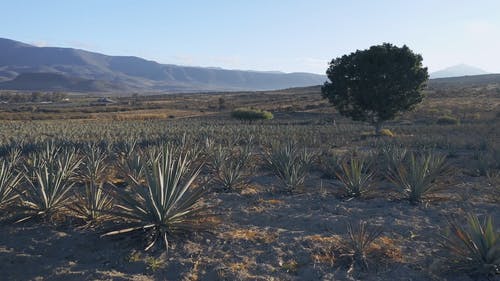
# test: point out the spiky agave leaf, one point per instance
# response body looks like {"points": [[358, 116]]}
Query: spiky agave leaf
{"points": [[218, 157], [14, 156], [393, 155], [416, 176], [355, 176], [9, 179], [231, 175], [94, 163], [360, 239], [289, 163], [49, 153], [475, 248], [93, 204], [167, 203], [229, 166], [126, 148], [49, 185]]}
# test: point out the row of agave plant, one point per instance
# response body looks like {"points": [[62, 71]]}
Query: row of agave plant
{"points": [[414, 173], [163, 194], [307, 132], [475, 248], [160, 197]]}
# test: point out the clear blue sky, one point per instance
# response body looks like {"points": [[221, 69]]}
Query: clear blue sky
{"points": [[286, 35]]}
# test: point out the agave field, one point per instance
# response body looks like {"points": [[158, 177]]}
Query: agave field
{"points": [[299, 197]]}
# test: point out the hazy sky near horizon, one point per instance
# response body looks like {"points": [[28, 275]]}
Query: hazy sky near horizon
{"points": [[284, 35]]}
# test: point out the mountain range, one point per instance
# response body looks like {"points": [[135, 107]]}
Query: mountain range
{"points": [[27, 67], [32, 68]]}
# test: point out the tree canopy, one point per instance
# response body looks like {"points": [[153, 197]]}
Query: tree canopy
{"points": [[374, 85]]}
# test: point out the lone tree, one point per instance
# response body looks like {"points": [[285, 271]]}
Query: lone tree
{"points": [[374, 85]]}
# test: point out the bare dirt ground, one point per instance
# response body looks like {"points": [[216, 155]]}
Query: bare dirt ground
{"points": [[264, 234]]}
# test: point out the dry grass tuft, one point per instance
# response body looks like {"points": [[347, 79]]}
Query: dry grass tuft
{"points": [[210, 221], [249, 190], [271, 201], [254, 235], [324, 240], [326, 257], [385, 248], [238, 266], [323, 248], [238, 270]]}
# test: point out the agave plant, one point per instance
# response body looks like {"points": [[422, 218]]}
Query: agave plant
{"points": [[94, 202], [475, 248], [49, 184], [393, 156], [132, 166], [9, 179], [330, 165], [14, 156], [166, 203], [127, 148], [417, 175], [94, 163], [355, 176], [360, 239], [49, 154], [208, 143], [218, 157], [289, 163], [229, 166], [40, 158]]}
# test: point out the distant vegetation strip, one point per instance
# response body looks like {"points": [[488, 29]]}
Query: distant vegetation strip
{"points": [[250, 114]]}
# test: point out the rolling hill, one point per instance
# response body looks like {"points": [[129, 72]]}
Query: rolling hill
{"points": [[35, 81], [466, 81], [81, 70], [457, 71]]}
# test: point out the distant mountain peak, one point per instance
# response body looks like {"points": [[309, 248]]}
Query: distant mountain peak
{"points": [[458, 70]]}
